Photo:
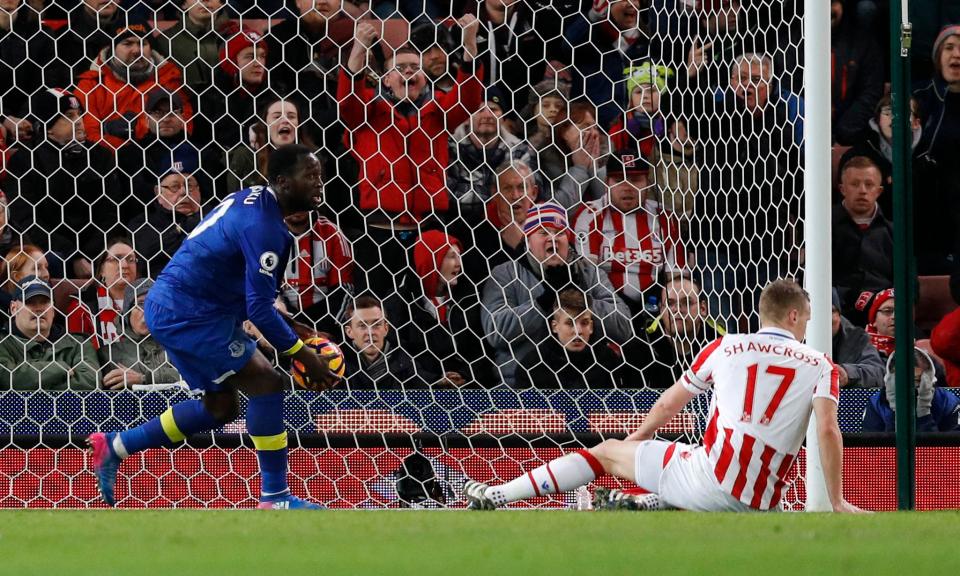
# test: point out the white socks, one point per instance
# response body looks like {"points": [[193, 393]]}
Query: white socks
{"points": [[559, 475]]}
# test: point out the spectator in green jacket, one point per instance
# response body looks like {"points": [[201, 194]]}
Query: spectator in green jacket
{"points": [[136, 358], [37, 353]]}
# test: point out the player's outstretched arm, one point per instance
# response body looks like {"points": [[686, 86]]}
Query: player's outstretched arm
{"points": [[670, 403], [831, 453]]}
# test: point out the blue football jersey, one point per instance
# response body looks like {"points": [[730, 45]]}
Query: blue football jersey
{"points": [[233, 264]]}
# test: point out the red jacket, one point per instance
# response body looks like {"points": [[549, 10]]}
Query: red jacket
{"points": [[403, 159], [111, 104], [945, 341]]}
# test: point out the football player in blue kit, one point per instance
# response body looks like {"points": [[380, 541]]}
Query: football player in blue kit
{"points": [[229, 269]]}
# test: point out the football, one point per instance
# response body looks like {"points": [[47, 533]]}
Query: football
{"points": [[323, 347]]}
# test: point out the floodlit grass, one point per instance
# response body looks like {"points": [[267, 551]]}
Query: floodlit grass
{"points": [[284, 543]]}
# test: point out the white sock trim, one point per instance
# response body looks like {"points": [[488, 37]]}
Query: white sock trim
{"points": [[118, 448], [271, 494]]}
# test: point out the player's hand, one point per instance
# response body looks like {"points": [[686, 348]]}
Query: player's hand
{"points": [[121, 377], [317, 368], [845, 507], [470, 26], [366, 35]]}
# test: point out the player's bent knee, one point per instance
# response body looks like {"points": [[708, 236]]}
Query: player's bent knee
{"points": [[259, 377], [617, 457], [223, 406], [604, 451]]}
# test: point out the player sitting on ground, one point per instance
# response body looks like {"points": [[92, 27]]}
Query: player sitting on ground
{"points": [[229, 268], [765, 386]]}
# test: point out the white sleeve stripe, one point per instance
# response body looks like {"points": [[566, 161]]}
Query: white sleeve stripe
{"points": [[692, 380]]}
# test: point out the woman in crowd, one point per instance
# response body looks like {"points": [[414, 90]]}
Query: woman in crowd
{"points": [[97, 310], [279, 125]]}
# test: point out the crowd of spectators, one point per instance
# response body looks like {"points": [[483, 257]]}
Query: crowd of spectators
{"points": [[537, 194]]}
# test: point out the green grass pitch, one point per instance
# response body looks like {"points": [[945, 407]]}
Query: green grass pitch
{"points": [[454, 543]]}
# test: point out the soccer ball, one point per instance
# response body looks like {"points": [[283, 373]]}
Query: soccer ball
{"points": [[323, 347]]}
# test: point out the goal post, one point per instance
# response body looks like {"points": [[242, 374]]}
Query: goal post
{"points": [[817, 202]]}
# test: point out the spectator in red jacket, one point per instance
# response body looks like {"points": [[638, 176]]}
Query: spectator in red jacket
{"points": [[398, 135], [113, 91], [945, 338], [242, 88]]}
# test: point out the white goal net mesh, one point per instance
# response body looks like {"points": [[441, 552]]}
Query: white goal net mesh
{"points": [[535, 214]]}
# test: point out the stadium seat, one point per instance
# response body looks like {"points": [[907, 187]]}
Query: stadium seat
{"points": [[934, 301]]}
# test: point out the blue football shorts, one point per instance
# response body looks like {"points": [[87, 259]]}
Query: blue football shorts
{"points": [[205, 349]]}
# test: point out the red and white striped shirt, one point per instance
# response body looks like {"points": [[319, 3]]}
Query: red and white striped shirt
{"points": [[763, 390], [323, 260], [630, 248]]}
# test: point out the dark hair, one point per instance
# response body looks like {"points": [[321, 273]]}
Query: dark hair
{"points": [[406, 49], [576, 113], [780, 297], [572, 300], [285, 160], [365, 300]]}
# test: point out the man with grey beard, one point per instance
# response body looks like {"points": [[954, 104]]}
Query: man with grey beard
{"points": [[113, 89]]}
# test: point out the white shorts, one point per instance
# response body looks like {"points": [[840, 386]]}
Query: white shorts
{"points": [[687, 482]]}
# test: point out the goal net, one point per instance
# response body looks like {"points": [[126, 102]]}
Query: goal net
{"points": [[535, 214]]}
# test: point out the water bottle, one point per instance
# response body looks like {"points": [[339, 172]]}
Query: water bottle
{"points": [[582, 500], [652, 306]]}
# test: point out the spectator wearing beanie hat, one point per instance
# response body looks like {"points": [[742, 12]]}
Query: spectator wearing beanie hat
{"points": [[520, 295], [242, 87], [58, 179], [853, 352], [881, 329], [936, 176], [172, 213], [645, 122], [940, 97], [880, 322], [440, 314], [114, 91]]}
